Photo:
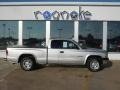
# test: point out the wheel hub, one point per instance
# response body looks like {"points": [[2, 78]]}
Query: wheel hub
{"points": [[27, 64], [94, 65]]}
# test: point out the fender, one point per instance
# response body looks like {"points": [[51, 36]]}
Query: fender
{"points": [[27, 54], [89, 55]]}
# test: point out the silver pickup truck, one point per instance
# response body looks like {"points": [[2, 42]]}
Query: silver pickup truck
{"points": [[67, 52]]}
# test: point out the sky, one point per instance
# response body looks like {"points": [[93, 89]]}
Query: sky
{"points": [[59, 0]]}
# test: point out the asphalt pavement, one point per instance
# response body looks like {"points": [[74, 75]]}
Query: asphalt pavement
{"points": [[56, 77]]}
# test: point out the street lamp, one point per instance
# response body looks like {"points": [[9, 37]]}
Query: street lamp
{"points": [[29, 28], [13, 34], [4, 27], [9, 31], [60, 30], [110, 34]]}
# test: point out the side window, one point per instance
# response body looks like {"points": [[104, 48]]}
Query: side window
{"points": [[63, 44], [69, 45], [56, 44]]}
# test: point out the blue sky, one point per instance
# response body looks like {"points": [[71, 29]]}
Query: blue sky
{"points": [[59, 0]]}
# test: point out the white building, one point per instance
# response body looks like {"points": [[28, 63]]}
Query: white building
{"points": [[30, 23]]}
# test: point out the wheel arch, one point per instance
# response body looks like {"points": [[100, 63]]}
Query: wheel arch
{"points": [[25, 55], [91, 56]]}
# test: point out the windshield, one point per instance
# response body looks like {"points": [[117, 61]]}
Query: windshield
{"points": [[82, 44], [78, 44]]}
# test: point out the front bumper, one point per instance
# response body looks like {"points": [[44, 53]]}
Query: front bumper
{"points": [[105, 60]]}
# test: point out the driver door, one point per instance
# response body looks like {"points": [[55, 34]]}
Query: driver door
{"points": [[69, 53]]}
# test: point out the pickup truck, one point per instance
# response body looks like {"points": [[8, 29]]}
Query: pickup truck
{"points": [[66, 52]]}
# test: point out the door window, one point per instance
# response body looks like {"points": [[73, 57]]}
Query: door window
{"points": [[63, 44]]}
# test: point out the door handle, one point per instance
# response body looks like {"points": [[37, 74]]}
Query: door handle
{"points": [[61, 51]]}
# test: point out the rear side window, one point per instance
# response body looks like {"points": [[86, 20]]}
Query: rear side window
{"points": [[56, 44]]}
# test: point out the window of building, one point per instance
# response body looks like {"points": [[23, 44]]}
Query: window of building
{"points": [[8, 33], [113, 40], [34, 33], [91, 32], [62, 29]]}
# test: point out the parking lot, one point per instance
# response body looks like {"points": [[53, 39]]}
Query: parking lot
{"points": [[59, 77]]}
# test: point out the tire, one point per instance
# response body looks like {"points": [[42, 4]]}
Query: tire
{"points": [[94, 64], [27, 63]]}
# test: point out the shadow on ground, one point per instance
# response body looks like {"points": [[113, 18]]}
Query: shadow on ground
{"points": [[108, 64], [38, 66]]}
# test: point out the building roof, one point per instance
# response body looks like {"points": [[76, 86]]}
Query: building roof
{"points": [[59, 0]]}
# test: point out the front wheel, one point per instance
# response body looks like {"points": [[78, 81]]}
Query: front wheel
{"points": [[94, 64], [27, 63]]}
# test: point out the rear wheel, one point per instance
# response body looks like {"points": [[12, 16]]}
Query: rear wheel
{"points": [[94, 64], [27, 63]]}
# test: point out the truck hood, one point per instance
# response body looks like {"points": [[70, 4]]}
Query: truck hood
{"points": [[94, 50]]}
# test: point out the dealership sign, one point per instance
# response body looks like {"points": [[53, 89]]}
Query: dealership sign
{"points": [[64, 15]]}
